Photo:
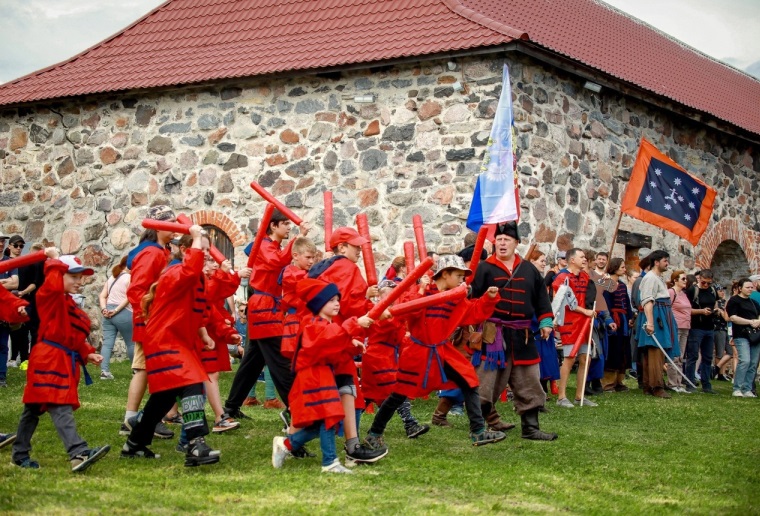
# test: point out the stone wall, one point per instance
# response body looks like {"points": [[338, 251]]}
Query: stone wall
{"points": [[83, 173]]}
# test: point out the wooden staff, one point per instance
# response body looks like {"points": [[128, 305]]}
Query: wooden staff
{"points": [[409, 256], [328, 201], [615, 233], [277, 204], [455, 294], [419, 236], [162, 225], [588, 356], [22, 261], [260, 234], [397, 292], [479, 243], [215, 253], [362, 225]]}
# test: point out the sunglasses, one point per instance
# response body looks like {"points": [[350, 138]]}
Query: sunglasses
{"points": [[17, 246], [705, 282]]}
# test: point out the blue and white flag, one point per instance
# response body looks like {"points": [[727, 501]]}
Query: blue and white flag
{"points": [[495, 197]]}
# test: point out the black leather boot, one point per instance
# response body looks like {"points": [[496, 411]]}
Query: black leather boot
{"points": [[530, 428]]}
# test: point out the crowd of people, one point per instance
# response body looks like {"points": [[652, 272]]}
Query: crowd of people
{"points": [[331, 346]]}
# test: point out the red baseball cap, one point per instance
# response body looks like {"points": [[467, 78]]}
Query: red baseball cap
{"points": [[346, 236]]}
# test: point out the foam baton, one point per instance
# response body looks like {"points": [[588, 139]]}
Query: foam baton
{"points": [[260, 234], [215, 253], [22, 261], [162, 225], [586, 324], [419, 236], [327, 195], [402, 287], [369, 257], [453, 295], [409, 256], [477, 252], [277, 204]]}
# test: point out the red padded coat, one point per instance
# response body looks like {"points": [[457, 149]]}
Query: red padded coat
{"points": [[264, 314], [149, 262]]}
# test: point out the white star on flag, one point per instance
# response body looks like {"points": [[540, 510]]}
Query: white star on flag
{"points": [[648, 198], [677, 181], [687, 216], [668, 207], [658, 171], [695, 191], [652, 184], [691, 205], [680, 199]]}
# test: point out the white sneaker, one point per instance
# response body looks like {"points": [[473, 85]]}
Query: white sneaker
{"points": [[737, 394], [749, 394], [565, 403], [12, 363], [681, 390], [105, 375], [586, 403], [335, 467], [279, 452]]}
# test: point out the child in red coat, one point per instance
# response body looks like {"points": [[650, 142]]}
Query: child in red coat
{"points": [[53, 374], [314, 401], [175, 320], [431, 362], [380, 364]]}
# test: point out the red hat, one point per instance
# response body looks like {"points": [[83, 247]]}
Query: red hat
{"points": [[346, 236], [316, 293]]}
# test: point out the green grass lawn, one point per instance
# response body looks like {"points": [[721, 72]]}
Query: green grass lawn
{"points": [[694, 454]]}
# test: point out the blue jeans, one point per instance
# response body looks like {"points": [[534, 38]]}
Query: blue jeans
{"points": [[5, 333], [744, 376], [700, 342], [119, 323], [326, 441]]}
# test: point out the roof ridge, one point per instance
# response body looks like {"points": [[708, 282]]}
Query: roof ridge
{"points": [[87, 50], [674, 39], [457, 7]]}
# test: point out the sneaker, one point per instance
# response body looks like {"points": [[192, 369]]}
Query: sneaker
{"points": [[690, 389], [709, 391], [106, 375], [126, 426], [302, 453], [182, 447], [162, 432], [336, 467], [26, 463], [750, 394], [416, 430], [176, 419], [285, 418], [721, 377], [200, 453], [586, 403], [6, 439], [365, 454], [133, 451], [273, 404], [236, 414], [565, 403], [456, 410], [737, 394], [684, 390], [225, 424], [251, 401], [12, 363], [84, 460], [485, 437], [280, 452]]}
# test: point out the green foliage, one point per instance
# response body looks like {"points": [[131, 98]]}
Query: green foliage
{"points": [[692, 454]]}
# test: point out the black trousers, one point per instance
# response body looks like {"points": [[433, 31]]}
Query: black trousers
{"points": [[260, 353], [20, 342], [160, 403], [471, 404]]}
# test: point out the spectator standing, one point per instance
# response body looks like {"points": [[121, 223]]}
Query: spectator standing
{"points": [[701, 341], [682, 313], [30, 279], [744, 313], [6, 282], [117, 316], [19, 333], [723, 350]]}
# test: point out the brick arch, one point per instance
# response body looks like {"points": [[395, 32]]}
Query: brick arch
{"points": [[728, 229], [223, 222]]}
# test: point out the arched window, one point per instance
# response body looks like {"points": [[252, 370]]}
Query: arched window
{"points": [[222, 242]]}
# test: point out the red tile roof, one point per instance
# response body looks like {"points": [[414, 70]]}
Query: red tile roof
{"points": [[192, 41]]}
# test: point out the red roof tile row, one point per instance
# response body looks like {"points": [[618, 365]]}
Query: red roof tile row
{"points": [[192, 41]]}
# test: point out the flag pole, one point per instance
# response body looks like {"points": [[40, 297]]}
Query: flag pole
{"points": [[615, 233]]}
